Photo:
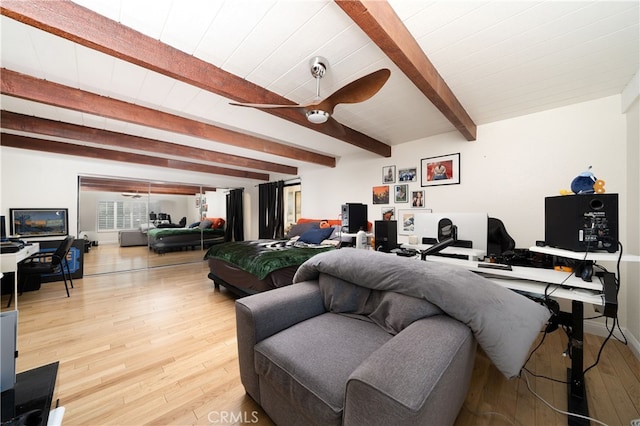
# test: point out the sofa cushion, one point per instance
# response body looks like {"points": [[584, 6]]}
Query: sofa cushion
{"points": [[397, 311], [311, 361]]}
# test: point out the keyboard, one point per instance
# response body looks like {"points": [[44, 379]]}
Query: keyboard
{"points": [[10, 246]]}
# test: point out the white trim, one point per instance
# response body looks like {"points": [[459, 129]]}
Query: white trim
{"points": [[598, 328]]}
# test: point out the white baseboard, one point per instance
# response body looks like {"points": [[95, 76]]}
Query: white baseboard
{"points": [[599, 329]]}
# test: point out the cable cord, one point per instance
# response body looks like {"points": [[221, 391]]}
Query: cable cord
{"points": [[613, 327], [489, 413], [580, 416]]}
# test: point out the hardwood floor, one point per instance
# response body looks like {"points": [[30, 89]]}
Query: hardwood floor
{"points": [[158, 347], [107, 258]]}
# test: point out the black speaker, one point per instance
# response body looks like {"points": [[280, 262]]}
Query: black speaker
{"points": [[585, 222], [354, 217], [386, 235]]}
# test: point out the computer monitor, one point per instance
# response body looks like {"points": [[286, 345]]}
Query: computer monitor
{"points": [[3, 229], [471, 229]]}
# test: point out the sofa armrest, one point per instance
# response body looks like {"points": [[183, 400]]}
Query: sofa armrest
{"points": [[421, 376], [264, 314]]}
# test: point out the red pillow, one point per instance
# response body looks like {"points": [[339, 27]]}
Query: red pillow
{"points": [[216, 222]]}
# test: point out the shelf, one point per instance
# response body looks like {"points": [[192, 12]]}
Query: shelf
{"points": [[602, 256], [523, 273]]}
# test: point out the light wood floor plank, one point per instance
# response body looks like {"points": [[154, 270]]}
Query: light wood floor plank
{"points": [[158, 347]]}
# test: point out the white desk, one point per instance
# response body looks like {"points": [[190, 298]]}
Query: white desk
{"points": [[557, 284], [565, 283], [10, 264]]}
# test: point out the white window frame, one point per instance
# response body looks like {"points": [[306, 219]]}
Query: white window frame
{"points": [[119, 215]]}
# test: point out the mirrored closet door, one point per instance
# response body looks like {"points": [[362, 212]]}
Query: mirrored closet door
{"points": [[133, 224]]}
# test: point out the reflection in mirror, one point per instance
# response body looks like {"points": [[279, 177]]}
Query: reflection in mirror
{"points": [[111, 213], [136, 224], [174, 235]]}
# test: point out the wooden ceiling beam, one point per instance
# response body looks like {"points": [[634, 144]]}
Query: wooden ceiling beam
{"points": [[383, 26], [25, 142], [103, 184], [43, 91], [25, 123], [87, 28]]}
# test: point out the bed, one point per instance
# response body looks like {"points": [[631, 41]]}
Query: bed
{"points": [[162, 240], [249, 267]]}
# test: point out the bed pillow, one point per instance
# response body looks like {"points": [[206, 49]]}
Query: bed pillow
{"points": [[300, 228], [144, 227], [205, 224], [216, 222], [315, 235]]}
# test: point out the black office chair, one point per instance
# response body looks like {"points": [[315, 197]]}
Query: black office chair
{"points": [[499, 242], [46, 263]]}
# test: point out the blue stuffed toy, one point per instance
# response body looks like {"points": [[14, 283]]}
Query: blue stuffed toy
{"points": [[583, 183]]}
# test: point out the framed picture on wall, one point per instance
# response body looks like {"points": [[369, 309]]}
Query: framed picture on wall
{"points": [[388, 213], [408, 175], [389, 174], [406, 222], [417, 199], [381, 194], [400, 193], [441, 170]]}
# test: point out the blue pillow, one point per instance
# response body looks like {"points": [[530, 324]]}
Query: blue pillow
{"points": [[315, 235]]}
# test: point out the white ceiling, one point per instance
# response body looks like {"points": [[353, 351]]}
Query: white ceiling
{"points": [[500, 58]]}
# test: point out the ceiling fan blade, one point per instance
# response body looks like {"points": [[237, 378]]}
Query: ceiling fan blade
{"points": [[357, 91], [265, 106], [333, 123]]}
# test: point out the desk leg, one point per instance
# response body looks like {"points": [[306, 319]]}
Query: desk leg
{"points": [[577, 393]]}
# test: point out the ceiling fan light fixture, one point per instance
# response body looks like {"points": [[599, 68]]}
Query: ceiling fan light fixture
{"points": [[317, 116]]}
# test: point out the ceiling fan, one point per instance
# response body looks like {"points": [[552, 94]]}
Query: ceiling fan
{"points": [[132, 195], [320, 111]]}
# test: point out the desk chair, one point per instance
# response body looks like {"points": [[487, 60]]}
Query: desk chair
{"points": [[46, 263], [499, 242]]}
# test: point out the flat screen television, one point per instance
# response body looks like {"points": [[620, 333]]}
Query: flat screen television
{"points": [[39, 222]]}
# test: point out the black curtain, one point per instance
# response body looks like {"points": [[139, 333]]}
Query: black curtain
{"points": [[271, 210], [235, 217]]}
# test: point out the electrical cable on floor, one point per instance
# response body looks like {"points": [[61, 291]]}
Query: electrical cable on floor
{"points": [[489, 413], [540, 376], [580, 416]]}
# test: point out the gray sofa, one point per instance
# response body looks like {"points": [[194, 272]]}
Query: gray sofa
{"points": [[132, 238], [363, 337]]}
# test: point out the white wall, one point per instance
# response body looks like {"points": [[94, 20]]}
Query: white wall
{"points": [[216, 203], [631, 107], [507, 172]]}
